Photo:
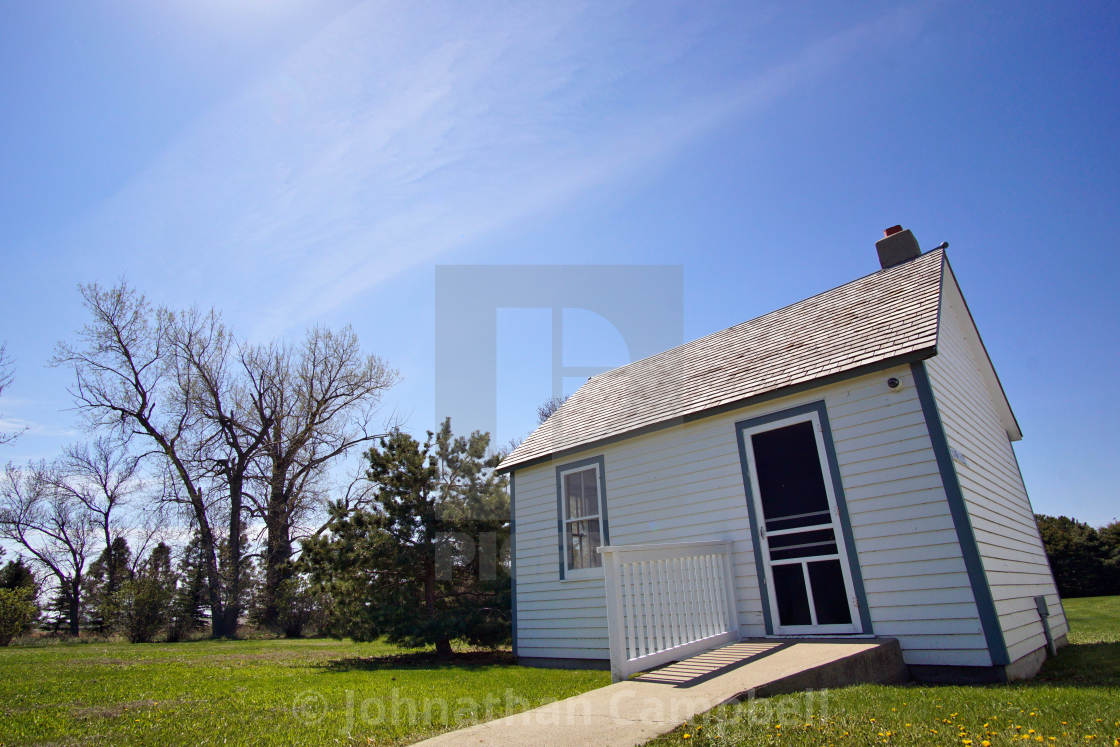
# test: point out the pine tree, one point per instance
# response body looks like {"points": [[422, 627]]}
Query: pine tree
{"points": [[146, 598], [103, 583], [17, 612], [410, 569], [1076, 556], [188, 603], [18, 593], [1110, 549], [17, 575], [58, 609]]}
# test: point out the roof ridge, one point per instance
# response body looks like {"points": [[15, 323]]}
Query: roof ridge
{"points": [[882, 271], [881, 316]]}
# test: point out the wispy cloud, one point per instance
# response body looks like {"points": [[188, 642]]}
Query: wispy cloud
{"points": [[33, 428], [400, 132]]}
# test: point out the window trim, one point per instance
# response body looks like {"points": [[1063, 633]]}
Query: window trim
{"points": [[574, 574]]}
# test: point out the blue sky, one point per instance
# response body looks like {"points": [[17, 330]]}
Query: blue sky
{"points": [[294, 163]]}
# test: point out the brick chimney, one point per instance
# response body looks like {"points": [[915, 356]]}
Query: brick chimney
{"points": [[898, 245]]}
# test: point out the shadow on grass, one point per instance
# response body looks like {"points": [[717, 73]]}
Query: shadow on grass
{"points": [[1081, 665], [419, 660]]}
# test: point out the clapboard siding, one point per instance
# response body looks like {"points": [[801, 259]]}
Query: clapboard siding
{"points": [[969, 401], [685, 483], [562, 652]]}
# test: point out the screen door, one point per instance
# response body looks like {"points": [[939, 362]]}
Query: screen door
{"points": [[804, 557]]}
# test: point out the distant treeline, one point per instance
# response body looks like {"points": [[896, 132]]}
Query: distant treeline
{"points": [[1085, 560], [227, 483], [422, 559]]}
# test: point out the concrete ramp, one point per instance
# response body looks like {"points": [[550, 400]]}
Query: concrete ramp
{"points": [[653, 703]]}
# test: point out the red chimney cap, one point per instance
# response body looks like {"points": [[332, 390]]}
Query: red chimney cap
{"points": [[891, 231]]}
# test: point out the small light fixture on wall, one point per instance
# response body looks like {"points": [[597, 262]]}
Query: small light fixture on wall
{"points": [[894, 383]]}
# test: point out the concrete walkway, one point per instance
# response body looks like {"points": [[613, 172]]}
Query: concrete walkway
{"points": [[637, 710]]}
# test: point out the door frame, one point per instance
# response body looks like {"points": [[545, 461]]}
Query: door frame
{"points": [[815, 413]]}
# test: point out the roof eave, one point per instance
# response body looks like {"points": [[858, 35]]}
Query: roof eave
{"points": [[897, 360], [1011, 423]]}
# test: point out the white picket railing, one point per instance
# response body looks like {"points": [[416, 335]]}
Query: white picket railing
{"points": [[667, 602]]}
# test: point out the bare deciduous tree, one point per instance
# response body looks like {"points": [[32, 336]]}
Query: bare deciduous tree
{"points": [[244, 431], [53, 525], [102, 476], [6, 375], [218, 381], [549, 406], [321, 398], [127, 380]]}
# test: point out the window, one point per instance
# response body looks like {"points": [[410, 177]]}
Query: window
{"points": [[582, 519]]}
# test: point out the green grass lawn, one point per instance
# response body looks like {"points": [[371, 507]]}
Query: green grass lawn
{"points": [[1074, 700], [259, 692], [1094, 619], [321, 691]]}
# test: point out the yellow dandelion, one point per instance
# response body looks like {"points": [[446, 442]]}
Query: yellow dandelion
{"points": [[686, 735], [985, 743]]}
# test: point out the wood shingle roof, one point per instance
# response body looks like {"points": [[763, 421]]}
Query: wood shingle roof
{"points": [[889, 314]]}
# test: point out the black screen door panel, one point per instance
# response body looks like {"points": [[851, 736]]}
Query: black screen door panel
{"points": [[807, 576]]}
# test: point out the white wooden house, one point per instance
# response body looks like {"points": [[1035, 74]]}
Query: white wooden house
{"points": [[839, 467]]}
